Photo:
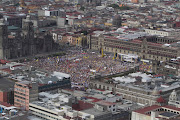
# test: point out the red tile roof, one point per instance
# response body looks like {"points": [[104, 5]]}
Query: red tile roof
{"points": [[3, 61], [171, 107], [160, 100], [6, 70], [106, 103], [147, 109], [94, 99], [100, 89], [5, 104], [154, 107], [82, 105], [154, 44], [17, 65], [136, 41]]}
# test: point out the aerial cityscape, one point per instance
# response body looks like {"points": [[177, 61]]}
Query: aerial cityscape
{"points": [[89, 60]]}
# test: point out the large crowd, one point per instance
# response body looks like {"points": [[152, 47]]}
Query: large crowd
{"points": [[80, 65]]}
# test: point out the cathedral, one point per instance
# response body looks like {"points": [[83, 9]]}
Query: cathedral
{"points": [[25, 41]]}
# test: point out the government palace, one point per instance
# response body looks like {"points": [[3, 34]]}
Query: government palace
{"points": [[146, 47]]}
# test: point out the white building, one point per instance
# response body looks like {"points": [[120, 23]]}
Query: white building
{"points": [[164, 32], [53, 107], [173, 99], [51, 12], [156, 112]]}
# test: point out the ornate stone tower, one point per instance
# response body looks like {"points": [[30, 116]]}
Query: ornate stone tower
{"points": [[117, 21], [28, 35], [173, 96], [144, 49]]}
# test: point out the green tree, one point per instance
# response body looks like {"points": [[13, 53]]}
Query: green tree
{"points": [[124, 8], [115, 6]]}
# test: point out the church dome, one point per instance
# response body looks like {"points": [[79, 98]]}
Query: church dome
{"points": [[173, 96]]}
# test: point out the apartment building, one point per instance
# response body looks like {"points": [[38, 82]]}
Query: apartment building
{"points": [[25, 92]]}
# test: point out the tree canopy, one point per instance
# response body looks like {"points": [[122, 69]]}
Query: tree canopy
{"points": [[123, 7]]}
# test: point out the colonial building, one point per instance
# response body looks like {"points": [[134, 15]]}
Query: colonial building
{"points": [[173, 99], [150, 92], [156, 112], [169, 68], [153, 48], [23, 42]]}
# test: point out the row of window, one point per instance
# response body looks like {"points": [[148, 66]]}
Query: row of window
{"points": [[161, 54], [122, 43], [41, 114], [42, 110], [21, 101], [162, 49], [20, 93], [19, 97], [21, 90], [21, 85]]}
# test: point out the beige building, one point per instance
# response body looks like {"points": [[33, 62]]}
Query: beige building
{"points": [[146, 93], [168, 32], [169, 68], [153, 48]]}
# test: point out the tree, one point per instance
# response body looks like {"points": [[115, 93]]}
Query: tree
{"points": [[123, 7], [115, 6]]}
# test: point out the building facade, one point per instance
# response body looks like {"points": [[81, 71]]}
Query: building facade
{"points": [[152, 48], [162, 32], [24, 42], [24, 93], [170, 68], [156, 112]]}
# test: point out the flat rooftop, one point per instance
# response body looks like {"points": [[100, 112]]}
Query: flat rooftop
{"points": [[6, 84], [95, 112], [168, 114]]}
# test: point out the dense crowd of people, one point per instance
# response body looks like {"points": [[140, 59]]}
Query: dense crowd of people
{"points": [[80, 65]]}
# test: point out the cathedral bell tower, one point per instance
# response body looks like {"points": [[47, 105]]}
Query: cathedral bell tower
{"points": [[28, 37], [4, 54]]}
